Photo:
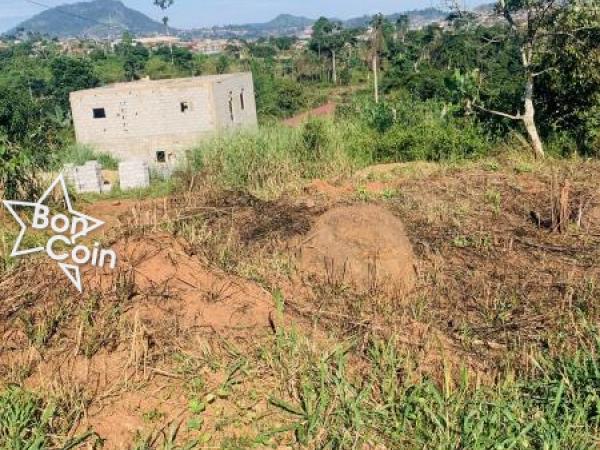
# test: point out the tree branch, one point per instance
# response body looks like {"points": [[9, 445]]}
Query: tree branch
{"points": [[498, 113], [541, 72]]}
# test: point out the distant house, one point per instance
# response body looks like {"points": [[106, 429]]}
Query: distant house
{"points": [[208, 46], [157, 41], [156, 121]]}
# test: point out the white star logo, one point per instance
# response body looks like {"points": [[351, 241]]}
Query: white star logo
{"points": [[87, 224]]}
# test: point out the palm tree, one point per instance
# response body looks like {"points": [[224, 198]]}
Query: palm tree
{"points": [[377, 46], [164, 5]]}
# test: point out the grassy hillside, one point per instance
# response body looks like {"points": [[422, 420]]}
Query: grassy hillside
{"points": [[98, 18]]}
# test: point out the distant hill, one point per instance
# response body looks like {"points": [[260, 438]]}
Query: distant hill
{"points": [[97, 19], [418, 18], [287, 21], [286, 24], [282, 25], [109, 18]]}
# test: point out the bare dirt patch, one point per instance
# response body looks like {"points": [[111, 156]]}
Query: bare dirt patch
{"points": [[207, 298], [326, 110]]}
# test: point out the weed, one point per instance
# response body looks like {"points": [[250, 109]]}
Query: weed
{"points": [[42, 327], [523, 168], [363, 194], [336, 408], [389, 194], [494, 198], [153, 416], [27, 422], [164, 440]]}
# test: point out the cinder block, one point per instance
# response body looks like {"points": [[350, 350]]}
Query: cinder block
{"points": [[86, 178], [134, 174]]}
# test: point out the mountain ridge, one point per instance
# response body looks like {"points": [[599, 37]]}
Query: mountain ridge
{"points": [[96, 18], [110, 18]]}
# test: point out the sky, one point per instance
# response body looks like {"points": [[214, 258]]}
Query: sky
{"points": [[200, 13]]}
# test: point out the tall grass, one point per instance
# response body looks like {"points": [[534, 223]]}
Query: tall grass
{"points": [[276, 158], [80, 154]]}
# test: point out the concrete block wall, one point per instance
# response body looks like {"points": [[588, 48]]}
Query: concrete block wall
{"points": [[238, 90], [142, 118], [134, 174], [86, 178]]}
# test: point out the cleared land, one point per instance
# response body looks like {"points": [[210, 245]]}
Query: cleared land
{"points": [[408, 306]]}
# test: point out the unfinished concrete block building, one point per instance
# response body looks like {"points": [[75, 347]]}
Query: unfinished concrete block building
{"points": [[156, 121]]}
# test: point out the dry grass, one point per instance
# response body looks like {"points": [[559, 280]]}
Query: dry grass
{"points": [[498, 293]]}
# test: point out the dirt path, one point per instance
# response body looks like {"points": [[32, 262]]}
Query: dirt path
{"points": [[326, 110]]}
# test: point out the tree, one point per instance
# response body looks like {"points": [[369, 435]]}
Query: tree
{"points": [[71, 74], [402, 27], [222, 65], [377, 45], [329, 37], [532, 25], [164, 5], [134, 57], [569, 97]]}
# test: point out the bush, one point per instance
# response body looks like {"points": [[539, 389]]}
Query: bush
{"points": [[381, 117], [432, 140], [17, 171], [430, 131], [314, 138]]}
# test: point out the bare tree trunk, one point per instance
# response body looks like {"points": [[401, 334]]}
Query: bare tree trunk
{"points": [[529, 120], [528, 115], [375, 79], [170, 43], [334, 66]]}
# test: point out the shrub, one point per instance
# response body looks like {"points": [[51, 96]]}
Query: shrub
{"points": [[430, 131], [380, 117], [17, 171], [314, 138]]}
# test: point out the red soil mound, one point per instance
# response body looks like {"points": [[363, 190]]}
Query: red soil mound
{"points": [[363, 245], [206, 298]]}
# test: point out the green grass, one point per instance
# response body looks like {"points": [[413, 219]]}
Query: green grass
{"points": [[8, 237], [80, 154], [338, 408], [326, 400], [158, 188], [275, 158], [28, 423]]}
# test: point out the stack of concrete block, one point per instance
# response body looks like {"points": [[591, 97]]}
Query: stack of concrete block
{"points": [[86, 178], [134, 174], [69, 174]]}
